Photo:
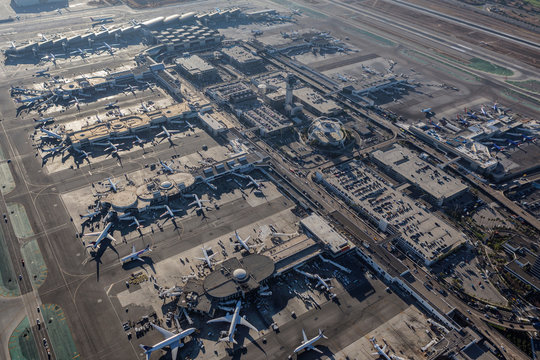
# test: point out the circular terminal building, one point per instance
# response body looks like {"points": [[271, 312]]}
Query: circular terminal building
{"points": [[327, 132], [237, 277], [139, 195]]}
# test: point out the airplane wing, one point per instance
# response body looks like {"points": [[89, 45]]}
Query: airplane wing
{"points": [[314, 349], [111, 238], [93, 234], [304, 336], [246, 323], [161, 133], [166, 333], [247, 239], [226, 318], [133, 248], [211, 256], [162, 215], [174, 349], [202, 259]]}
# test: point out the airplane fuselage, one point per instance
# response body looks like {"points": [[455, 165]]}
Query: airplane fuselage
{"points": [[172, 340], [308, 344]]}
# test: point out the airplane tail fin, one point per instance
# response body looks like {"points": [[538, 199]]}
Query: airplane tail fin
{"points": [[321, 333], [147, 350]]}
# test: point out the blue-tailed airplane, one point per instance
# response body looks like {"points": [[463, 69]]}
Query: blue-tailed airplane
{"points": [[135, 255]]}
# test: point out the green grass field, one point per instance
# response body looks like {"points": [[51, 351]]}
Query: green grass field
{"points": [[35, 265], [59, 333], [8, 277], [22, 345], [486, 66]]}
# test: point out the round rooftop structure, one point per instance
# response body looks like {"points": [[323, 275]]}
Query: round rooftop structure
{"points": [[166, 185], [327, 132], [240, 274]]}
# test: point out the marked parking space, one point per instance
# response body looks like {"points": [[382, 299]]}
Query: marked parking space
{"points": [[8, 278], [35, 265], [6, 178], [59, 332], [22, 345], [19, 220]]}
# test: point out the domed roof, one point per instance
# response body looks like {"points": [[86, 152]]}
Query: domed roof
{"points": [[166, 184], [240, 274]]}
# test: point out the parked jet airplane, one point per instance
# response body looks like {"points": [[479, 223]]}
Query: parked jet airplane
{"points": [[321, 283], [426, 110], [174, 291], [109, 48], [90, 215], [135, 255], [167, 134], [252, 182], [169, 212], [207, 258], [111, 105], [40, 73], [198, 202], [103, 20], [234, 320], [308, 344], [100, 236], [166, 168], [241, 241], [112, 185], [50, 134], [45, 120], [171, 340]]}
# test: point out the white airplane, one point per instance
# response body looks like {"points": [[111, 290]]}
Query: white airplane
{"points": [[135, 221], [234, 319], [210, 185], [100, 236], [90, 215], [40, 73], [427, 110], [107, 47], [207, 258], [197, 201], [135, 255], [189, 125], [172, 340], [380, 351], [110, 146], [144, 108], [50, 134], [111, 105], [138, 141], [166, 168], [80, 52], [112, 185], [174, 291], [44, 120], [308, 344], [257, 185], [129, 88], [54, 149], [321, 283], [167, 134], [242, 242], [170, 212], [103, 20]]}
